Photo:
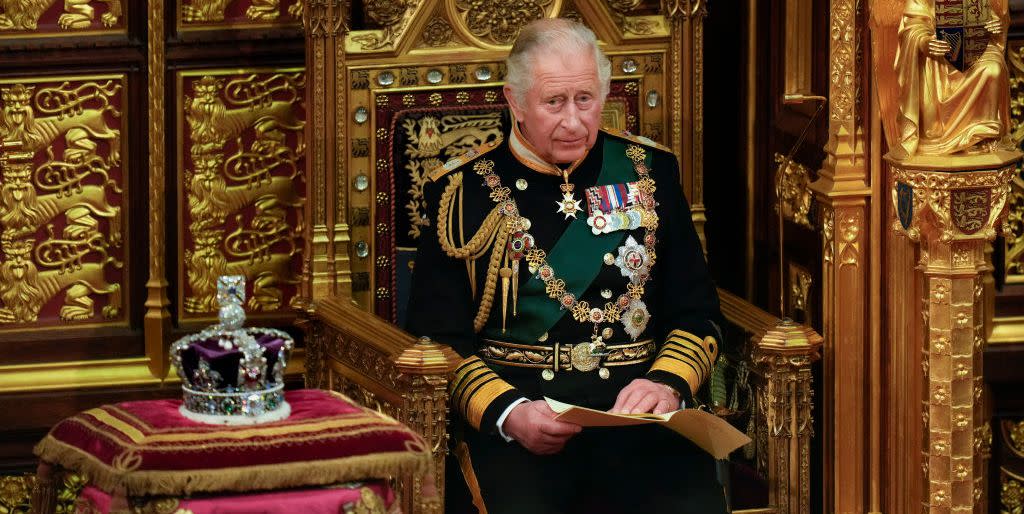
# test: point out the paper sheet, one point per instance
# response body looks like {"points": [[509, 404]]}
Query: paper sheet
{"points": [[712, 433]]}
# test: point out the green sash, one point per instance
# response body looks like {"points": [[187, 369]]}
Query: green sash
{"points": [[577, 258]]}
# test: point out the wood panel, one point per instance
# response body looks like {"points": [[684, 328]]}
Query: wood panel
{"points": [[98, 93]]}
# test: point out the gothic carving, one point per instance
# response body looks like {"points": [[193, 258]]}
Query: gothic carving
{"points": [[61, 219], [498, 22], [1011, 493], [242, 186], [1013, 436], [795, 197], [622, 12], [799, 293], [1015, 231], [196, 12], [25, 15], [391, 16]]}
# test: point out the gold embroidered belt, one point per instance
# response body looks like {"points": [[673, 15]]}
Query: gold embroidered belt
{"points": [[567, 357]]}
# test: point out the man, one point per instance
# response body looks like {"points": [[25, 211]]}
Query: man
{"points": [[565, 265]]}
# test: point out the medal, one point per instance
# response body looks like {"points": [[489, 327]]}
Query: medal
{"points": [[568, 205], [633, 260]]}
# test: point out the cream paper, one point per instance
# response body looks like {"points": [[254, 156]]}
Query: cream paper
{"points": [[712, 433]]}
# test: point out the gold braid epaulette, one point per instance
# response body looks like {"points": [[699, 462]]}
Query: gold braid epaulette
{"points": [[493, 234], [634, 138], [457, 162]]}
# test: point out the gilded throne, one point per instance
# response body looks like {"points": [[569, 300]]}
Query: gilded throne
{"points": [[398, 88]]}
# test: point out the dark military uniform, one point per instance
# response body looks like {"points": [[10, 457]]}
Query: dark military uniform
{"points": [[637, 281]]}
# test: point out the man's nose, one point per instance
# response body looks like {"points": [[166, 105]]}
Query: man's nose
{"points": [[571, 117]]}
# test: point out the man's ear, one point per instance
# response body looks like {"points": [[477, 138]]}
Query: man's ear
{"points": [[517, 110]]}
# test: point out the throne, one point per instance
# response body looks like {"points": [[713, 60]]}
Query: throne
{"points": [[399, 87]]}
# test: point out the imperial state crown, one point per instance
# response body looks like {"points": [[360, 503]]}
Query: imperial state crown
{"points": [[230, 374]]}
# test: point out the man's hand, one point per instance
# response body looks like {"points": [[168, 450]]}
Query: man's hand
{"points": [[642, 395], [994, 26], [533, 425], [938, 48]]}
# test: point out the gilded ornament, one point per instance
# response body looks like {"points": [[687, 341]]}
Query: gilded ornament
{"points": [[462, 97], [435, 99], [361, 182], [75, 15], [383, 100], [435, 76], [259, 110], [1011, 494], [77, 187], [408, 100], [361, 115], [793, 187], [206, 11], [482, 74], [490, 96], [499, 21], [919, 44], [437, 33]]}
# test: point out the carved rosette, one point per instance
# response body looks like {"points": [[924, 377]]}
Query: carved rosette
{"points": [[241, 159], [953, 211], [784, 356]]}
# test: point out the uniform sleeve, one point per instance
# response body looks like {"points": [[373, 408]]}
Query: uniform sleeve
{"points": [[687, 301], [441, 307]]}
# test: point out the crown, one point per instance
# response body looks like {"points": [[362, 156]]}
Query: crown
{"points": [[229, 374], [16, 172], [18, 94], [14, 248]]}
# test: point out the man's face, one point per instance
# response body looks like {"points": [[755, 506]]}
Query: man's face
{"points": [[561, 112]]}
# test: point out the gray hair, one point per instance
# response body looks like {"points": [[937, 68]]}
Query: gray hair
{"points": [[547, 35]]}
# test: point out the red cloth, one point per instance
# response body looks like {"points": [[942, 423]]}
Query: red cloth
{"points": [[307, 501], [148, 448]]}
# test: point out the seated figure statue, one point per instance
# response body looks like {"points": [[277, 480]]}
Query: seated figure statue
{"points": [[941, 109]]}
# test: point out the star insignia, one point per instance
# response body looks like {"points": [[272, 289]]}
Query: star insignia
{"points": [[569, 206]]}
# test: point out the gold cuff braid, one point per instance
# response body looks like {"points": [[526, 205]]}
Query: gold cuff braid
{"points": [[688, 357]]}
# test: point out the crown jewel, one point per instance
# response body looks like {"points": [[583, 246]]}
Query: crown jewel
{"points": [[230, 374]]}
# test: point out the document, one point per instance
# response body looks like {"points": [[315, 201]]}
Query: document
{"points": [[712, 433]]}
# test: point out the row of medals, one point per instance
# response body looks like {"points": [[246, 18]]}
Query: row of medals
{"points": [[634, 261]]}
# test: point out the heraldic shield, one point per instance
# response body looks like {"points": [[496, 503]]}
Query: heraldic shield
{"points": [[905, 204], [961, 23], [969, 209]]}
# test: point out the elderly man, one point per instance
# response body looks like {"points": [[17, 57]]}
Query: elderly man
{"points": [[565, 265]]}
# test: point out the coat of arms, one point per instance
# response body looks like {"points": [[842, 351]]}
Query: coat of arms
{"points": [[961, 23], [969, 209], [905, 204]]}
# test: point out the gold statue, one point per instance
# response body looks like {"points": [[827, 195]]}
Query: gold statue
{"points": [[942, 79]]}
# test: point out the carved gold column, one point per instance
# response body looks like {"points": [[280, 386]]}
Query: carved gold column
{"points": [[843, 191], [325, 260], [157, 324], [953, 214], [784, 356]]}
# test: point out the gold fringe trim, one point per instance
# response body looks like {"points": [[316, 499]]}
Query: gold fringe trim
{"points": [[238, 479]]}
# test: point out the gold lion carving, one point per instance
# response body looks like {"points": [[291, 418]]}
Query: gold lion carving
{"points": [[78, 14], [213, 124], [24, 289], [18, 121], [213, 10]]}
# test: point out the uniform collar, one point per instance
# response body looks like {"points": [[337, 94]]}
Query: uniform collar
{"points": [[525, 153]]}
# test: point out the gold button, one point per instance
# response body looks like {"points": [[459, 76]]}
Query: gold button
{"points": [[607, 333], [609, 259], [521, 184], [547, 374], [604, 373], [543, 337]]}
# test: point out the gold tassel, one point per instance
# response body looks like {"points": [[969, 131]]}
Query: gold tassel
{"points": [[515, 288], [506, 274]]}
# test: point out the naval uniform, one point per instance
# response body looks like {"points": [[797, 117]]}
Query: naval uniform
{"points": [[540, 303]]}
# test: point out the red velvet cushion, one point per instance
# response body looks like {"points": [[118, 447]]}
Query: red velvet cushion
{"points": [[148, 448]]}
